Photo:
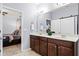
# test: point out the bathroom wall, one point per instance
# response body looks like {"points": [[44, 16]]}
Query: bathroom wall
{"points": [[70, 9], [10, 20], [9, 24], [28, 15]]}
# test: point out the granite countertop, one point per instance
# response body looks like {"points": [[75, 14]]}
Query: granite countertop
{"points": [[72, 38]]}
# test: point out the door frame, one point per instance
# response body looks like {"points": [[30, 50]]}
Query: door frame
{"points": [[1, 37], [20, 11]]}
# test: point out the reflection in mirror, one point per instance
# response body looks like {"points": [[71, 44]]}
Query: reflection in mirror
{"points": [[68, 26], [48, 24]]}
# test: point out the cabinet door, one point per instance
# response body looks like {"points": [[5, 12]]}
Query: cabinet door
{"points": [[37, 45], [65, 51], [52, 49], [32, 43], [43, 48]]}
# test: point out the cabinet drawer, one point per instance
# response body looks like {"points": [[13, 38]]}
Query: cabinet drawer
{"points": [[43, 39], [67, 44], [32, 36], [50, 40], [61, 42]]}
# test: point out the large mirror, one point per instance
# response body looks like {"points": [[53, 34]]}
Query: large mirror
{"points": [[62, 20]]}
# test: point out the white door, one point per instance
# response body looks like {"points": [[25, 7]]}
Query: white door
{"points": [[55, 26], [67, 26]]}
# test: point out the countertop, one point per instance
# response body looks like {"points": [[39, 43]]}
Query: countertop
{"points": [[72, 38]]}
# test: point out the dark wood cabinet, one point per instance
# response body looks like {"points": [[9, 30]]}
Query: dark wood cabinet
{"points": [[52, 49], [36, 43], [32, 43], [60, 47], [65, 51], [43, 47]]}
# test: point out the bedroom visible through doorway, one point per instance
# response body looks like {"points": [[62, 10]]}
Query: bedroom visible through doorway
{"points": [[11, 31]]}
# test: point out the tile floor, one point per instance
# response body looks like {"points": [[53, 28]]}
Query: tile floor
{"points": [[28, 52], [15, 50], [12, 50]]}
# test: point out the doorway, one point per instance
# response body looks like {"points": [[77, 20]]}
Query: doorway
{"points": [[12, 26]]}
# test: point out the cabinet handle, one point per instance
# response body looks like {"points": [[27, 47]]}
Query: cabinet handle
{"points": [[58, 47], [55, 46]]}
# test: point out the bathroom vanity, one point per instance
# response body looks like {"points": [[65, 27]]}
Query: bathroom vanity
{"points": [[55, 45]]}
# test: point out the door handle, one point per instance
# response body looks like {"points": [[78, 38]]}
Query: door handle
{"points": [[55, 46]]}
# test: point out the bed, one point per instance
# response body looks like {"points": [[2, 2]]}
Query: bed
{"points": [[8, 42]]}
